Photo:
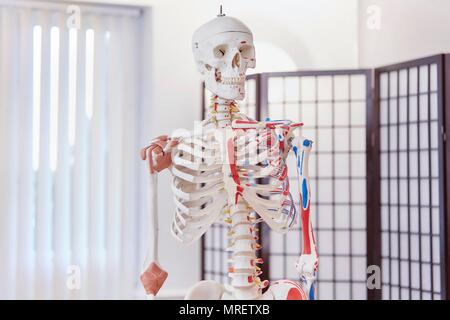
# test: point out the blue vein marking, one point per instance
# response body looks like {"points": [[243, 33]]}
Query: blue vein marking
{"points": [[304, 194], [306, 143], [311, 292], [301, 166]]}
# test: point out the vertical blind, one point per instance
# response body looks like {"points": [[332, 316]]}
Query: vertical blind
{"points": [[68, 153]]}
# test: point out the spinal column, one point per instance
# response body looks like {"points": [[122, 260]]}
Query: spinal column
{"points": [[243, 271]]}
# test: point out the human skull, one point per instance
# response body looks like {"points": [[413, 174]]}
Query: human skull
{"points": [[223, 50]]}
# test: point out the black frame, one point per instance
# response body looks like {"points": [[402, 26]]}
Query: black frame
{"points": [[446, 154]]}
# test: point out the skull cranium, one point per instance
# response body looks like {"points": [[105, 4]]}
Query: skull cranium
{"points": [[223, 50]]}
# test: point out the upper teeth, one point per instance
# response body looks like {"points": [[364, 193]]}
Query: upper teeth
{"points": [[232, 80]]}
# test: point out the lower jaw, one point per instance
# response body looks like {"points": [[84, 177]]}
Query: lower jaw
{"points": [[229, 92]]}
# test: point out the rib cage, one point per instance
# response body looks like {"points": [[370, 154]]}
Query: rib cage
{"points": [[204, 186]]}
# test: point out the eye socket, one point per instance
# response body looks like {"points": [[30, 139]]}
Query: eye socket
{"points": [[247, 51], [219, 51]]}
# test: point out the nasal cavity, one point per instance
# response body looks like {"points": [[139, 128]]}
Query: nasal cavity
{"points": [[236, 61]]}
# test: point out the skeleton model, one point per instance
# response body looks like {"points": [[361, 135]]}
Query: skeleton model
{"points": [[232, 170]]}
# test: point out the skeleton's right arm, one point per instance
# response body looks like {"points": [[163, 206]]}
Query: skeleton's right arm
{"points": [[158, 154]]}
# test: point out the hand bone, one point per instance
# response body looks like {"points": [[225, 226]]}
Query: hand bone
{"points": [[158, 153], [307, 264]]}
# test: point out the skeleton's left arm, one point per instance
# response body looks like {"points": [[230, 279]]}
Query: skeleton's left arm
{"points": [[307, 263]]}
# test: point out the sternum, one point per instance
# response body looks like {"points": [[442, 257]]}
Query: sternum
{"points": [[243, 271]]}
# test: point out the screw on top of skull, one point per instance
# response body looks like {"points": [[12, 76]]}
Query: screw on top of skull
{"points": [[221, 14]]}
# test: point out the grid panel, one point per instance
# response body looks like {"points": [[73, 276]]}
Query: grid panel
{"points": [[214, 255], [410, 181], [333, 107]]}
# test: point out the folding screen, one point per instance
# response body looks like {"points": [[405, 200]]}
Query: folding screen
{"points": [[410, 137]]}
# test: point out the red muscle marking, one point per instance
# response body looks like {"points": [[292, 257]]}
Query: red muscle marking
{"points": [[245, 122], [294, 294], [305, 224], [286, 191], [314, 241], [283, 174], [233, 168]]}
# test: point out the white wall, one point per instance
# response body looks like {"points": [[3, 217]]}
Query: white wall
{"points": [[409, 29], [315, 34]]}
